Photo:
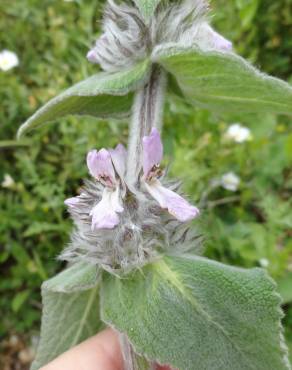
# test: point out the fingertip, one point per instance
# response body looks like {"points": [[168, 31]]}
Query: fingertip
{"points": [[100, 352]]}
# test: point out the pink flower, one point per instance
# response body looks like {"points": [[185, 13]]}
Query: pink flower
{"points": [[208, 38], [105, 213], [167, 199], [119, 157], [72, 202], [107, 167], [100, 167]]}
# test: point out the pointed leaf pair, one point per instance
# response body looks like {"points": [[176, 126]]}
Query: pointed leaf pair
{"points": [[70, 311], [223, 81], [193, 313]]}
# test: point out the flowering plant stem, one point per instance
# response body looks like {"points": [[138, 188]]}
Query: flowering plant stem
{"points": [[169, 304], [127, 353], [146, 113]]}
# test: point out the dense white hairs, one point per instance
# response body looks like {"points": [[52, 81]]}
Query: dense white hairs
{"points": [[126, 38], [144, 233], [179, 21]]}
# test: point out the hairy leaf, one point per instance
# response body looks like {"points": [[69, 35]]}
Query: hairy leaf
{"points": [[102, 95], [194, 313], [147, 7], [80, 276], [224, 81], [70, 312]]}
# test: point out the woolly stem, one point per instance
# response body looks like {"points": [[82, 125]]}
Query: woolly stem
{"points": [[131, 360], [127, 353], [146, 113]]}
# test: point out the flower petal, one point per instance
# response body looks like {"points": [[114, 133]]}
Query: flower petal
{"points": [[115, 201], [8, 60], [100, 166], [119, 157], [238, 133], [230, 181], [104, 214], [72, 202], [207, 38], [92, 56], [152, 151], [174, 203]]}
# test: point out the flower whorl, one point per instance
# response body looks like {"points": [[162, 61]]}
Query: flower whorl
{"points": [[127, 38], [125, 218], [121, 230]]}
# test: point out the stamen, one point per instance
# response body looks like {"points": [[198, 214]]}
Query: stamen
{"points": [[156, 172], [106, 181]]}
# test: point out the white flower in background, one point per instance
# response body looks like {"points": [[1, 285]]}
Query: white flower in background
{"points": [[238, 133], [264, 262], [8, 181], [230, 181], [8, 60]]}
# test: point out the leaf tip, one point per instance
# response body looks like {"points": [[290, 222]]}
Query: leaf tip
{"points": [[21, 131]]}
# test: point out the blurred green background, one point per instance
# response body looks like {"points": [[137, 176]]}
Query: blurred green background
{"points": [[248, 227]]}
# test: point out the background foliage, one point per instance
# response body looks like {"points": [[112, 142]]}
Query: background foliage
{"points": [[244, 228]]}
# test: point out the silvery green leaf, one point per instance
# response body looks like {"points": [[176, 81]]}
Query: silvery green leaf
{"points": [[104, 95], [131, 360], [79, 276], [193, 313], [224, 81], [147, 7], [70, 311]]}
